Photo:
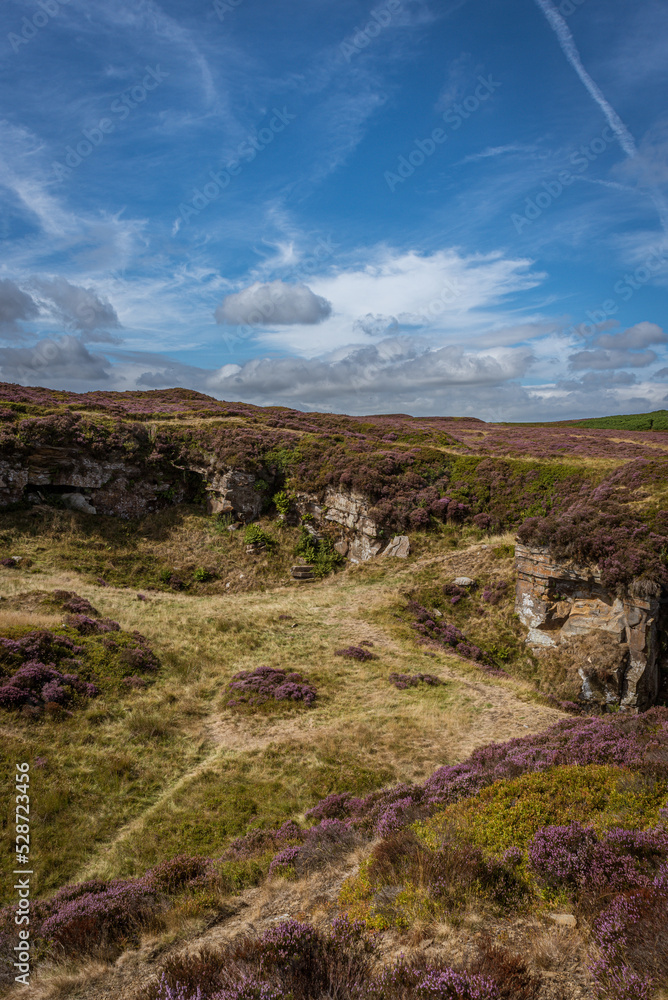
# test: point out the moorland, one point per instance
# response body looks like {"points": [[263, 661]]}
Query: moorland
{"points": [[245, 786]]}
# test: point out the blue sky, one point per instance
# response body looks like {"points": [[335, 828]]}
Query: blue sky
{"points": [[454, 207]]}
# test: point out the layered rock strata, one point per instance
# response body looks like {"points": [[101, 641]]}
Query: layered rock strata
{"points": [[558, 602]]}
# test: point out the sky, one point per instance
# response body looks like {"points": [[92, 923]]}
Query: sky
{"points": [[433, 207]]}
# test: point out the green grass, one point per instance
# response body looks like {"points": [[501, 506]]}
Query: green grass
{"points": [[657, 420], [509, 812], [139, 776]]}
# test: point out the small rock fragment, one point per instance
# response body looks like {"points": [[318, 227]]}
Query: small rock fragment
{"points": [[563, 919]]}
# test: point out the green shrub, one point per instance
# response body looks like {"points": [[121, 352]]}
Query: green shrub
{"points": [[282, 501], [254, 535], [202, 575], [319, 553]]}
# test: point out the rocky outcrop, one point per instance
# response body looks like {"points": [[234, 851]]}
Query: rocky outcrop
{"points": [[558, 602], [233, 492], [360, 538], [124, 487]]}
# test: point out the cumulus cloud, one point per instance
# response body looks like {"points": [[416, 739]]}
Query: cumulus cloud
{"points": [[634, 338], [273, 303], [81, 309], [605, 360], [65, 358], [600, 380], [15, 305], [661, 375], [376, 325], [393, 366]]}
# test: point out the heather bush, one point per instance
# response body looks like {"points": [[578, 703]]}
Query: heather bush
{"points": [[68, 600], [405, 981], [36, 684], [101, 920], [268, 684], [85, 625], [493, 593], [403, 681], [65, 666], [448, 636], [575, 859], [600, 530], [291, 960], [631, 936], [355, 653]]}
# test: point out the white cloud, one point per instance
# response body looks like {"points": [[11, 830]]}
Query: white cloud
{"points": [[15, 305], [386, 370], [635, 337], [66, 358], [376, 325], [604, 360], [273, 303], [79, 308]]}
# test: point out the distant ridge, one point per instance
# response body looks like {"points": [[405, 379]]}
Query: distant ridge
{"points": [[657, 420]]}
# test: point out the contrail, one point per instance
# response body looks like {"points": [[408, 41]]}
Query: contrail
{"points": [[569, 48], [624, 137]]}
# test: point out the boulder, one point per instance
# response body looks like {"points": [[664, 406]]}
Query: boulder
{"points": [[342, 547], [362, 548], [77, 501], [464, 581], [399, 546]]}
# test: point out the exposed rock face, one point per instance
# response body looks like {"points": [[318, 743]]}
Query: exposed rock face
{"points": [[233, 492], [360, 535], [351, 511], [121, 486], [557, 602]]}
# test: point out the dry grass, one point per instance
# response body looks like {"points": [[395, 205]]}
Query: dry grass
{"points": [[169, 769]]}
